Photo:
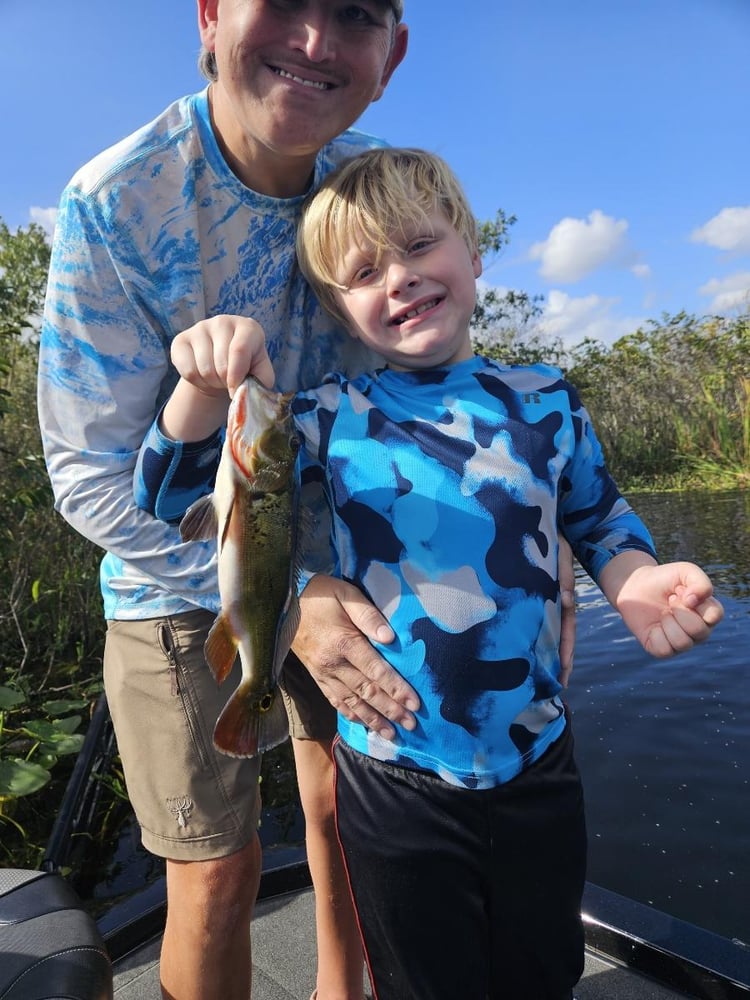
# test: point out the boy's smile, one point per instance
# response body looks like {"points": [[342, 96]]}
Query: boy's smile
{"points": [[412, 302], [418, 310]]}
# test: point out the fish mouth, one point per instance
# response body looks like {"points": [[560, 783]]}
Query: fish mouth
{"points": [[261, 435], [415, 311]]}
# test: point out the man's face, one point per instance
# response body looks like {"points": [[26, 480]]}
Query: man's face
{"points": [[293, 74]]}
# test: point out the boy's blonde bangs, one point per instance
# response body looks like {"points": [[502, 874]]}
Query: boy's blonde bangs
{"points": [[370, 200]]}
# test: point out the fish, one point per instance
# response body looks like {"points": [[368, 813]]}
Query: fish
{"points": [[253, 514]]}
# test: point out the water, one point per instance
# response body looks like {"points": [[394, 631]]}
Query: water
{"points": [[663, 745]]}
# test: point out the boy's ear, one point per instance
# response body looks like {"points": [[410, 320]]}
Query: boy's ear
{"points": [[476, 261]]}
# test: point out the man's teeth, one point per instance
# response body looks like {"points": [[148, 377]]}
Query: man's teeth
{"points": [[316, 84], [417, 312]]}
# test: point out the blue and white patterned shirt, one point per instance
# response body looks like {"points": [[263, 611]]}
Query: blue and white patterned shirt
{"points": [[152, 236]]}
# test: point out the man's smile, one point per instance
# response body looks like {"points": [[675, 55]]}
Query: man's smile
{"points": [[288, 75]]}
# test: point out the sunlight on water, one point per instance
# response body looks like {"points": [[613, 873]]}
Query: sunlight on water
{"points": [[663, 744]]}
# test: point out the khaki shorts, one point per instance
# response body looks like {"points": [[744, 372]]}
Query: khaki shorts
{"points": [[311, 715], [191, 801]]}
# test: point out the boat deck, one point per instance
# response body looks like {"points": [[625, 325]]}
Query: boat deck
{"points": [[633, 952], [284, 961]]}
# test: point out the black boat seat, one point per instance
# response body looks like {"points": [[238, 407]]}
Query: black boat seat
{"points": [[50, 947]]}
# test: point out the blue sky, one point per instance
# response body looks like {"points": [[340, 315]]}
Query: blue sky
{"points": [[617, 131]]}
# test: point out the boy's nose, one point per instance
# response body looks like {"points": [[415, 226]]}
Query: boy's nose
{"points": [[401, 278]]}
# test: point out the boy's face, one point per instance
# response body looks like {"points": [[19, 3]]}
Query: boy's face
{"points": [[292, 75], [414, 305]]}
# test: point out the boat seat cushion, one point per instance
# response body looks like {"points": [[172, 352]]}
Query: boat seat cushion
{"points": [[50, 946]]}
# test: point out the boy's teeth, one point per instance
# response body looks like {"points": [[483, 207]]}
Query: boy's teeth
{"points": [[416, 312], [317, 84]]}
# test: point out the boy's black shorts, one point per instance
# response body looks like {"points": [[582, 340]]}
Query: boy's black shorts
{"points": [[461, 893]]}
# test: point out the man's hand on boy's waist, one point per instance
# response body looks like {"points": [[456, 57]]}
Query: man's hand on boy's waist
{"points": [[333, 641]]}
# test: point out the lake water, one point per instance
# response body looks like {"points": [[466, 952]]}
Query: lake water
{"points": [[663, 745]]}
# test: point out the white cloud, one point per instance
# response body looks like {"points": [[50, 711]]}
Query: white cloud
{"points": [[729, 230], [576, 247], [44, 217], [573, 319], [727, 294]]}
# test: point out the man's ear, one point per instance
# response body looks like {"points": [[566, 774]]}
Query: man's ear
{"points": [[397, 53], [208, 14]]}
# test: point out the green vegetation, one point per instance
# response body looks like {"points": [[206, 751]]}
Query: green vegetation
{"points": [[50, 611], [671, 404]]}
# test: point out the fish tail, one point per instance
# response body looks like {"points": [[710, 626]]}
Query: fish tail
{"points": [[245, 729], [220, 649]]}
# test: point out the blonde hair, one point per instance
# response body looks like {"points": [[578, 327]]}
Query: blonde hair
{"points": [[369, 198]]}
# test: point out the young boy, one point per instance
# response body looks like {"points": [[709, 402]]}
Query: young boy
{"points": [[449, 477]]}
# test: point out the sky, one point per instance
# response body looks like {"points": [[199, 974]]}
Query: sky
{"points": [[616, 131]]}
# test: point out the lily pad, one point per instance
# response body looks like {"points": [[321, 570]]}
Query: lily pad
{"points": [[63, 707], [9, 698], [19, 777], [58, 737]]}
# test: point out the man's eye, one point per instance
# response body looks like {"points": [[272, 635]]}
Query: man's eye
{"points": [[421, 244], [354, 14], [287, 5]]}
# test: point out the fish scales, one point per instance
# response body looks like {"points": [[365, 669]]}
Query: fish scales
{"points": [[253, 514]]}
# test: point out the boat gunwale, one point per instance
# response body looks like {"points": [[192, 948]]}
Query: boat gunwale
{"points": [[677, 954]]}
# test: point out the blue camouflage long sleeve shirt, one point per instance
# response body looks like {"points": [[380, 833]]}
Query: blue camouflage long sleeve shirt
{"points": [[448, 490]]}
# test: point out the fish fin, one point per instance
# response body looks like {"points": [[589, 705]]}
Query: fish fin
{"points": [[266, 480], [290, 616], [244, 730], [220, 649], [285, 634], [199, 522], [304, 529], [305, 522]]}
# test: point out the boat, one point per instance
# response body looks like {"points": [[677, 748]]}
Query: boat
{"points": [[633, 952]]}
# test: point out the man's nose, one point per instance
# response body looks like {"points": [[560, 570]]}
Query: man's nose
{"points": [[317, 35]]}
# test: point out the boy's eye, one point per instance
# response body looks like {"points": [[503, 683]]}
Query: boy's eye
{"points": [[362, 275], [422, 243]]}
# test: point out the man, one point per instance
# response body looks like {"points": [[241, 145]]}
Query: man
{"points": [[192, 216]]}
